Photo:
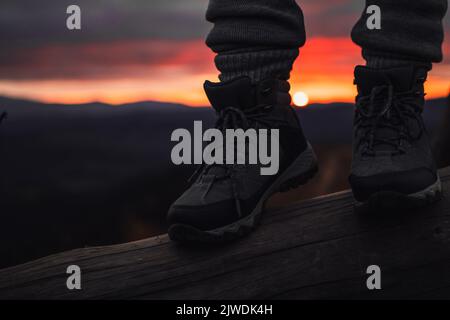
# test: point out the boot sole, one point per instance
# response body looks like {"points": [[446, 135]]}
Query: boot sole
{"points": [[298, 173], [386, 200]]}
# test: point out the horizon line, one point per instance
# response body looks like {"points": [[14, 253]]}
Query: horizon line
{"points": [[30, 100]]}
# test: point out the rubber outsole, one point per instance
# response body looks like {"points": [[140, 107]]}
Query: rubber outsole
{"points": [[389, 200], [300, 172]]}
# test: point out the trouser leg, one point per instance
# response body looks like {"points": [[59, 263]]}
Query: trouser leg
{"points": [[255, 38], [411, 32]]}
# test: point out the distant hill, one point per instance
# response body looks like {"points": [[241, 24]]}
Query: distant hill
{"points": [[92, 174], [321, 122], [97, 139], [94, 140]]}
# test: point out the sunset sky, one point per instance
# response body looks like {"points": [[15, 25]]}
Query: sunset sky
{"points": [[134, 50]]}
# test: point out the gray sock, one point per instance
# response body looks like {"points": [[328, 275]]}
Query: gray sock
{"points": [[380, 62], [256, 64]]}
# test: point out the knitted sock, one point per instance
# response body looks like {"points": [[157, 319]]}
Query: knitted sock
{"points": [[383, 62], [256, 64]]}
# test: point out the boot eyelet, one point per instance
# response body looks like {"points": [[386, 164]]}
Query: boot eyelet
{"points": [[266, 91]]}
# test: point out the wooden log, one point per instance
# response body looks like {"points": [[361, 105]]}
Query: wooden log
{"points": [[318, 249], [441, 146]]}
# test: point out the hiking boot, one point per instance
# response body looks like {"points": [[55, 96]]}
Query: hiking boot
{"points": [[393, 164], [225, 201]]}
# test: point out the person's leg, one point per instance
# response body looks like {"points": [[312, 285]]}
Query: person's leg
{"points": [[256, 42], [256, 38], [411, 32], [392, 158]]}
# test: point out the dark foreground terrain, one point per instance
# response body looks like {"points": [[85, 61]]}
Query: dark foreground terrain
{"points": [[86, 175]]}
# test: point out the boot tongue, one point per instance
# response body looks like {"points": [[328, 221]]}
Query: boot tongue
{"points": [[400, 78], [237, 93]]}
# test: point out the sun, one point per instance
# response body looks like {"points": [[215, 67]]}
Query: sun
{"points": [[301, 99]]}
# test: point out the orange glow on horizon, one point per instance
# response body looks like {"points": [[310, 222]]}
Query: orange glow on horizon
{"points": [[324, 72]]}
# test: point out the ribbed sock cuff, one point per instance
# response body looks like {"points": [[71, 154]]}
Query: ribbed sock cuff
{"points": [[257, 65], [383, 62]]}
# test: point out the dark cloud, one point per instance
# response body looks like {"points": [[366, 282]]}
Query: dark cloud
{"points": [[34, 39], [31, 22], [129, 59]]}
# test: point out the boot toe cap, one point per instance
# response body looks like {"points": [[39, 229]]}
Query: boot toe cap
{"points": [[403, 182], [203, 217]]}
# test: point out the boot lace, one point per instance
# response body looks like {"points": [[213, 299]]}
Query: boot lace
{"points": [[233, 118], [384, 108]]}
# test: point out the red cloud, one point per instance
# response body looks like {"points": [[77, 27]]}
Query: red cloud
{"points": [[106, 60]]}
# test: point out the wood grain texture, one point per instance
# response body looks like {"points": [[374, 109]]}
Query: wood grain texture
{"points": [[442, 151], [318, 249]]}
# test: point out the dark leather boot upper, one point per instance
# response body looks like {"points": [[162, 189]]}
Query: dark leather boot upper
{"points": [[391, 150], [222, 194]]}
